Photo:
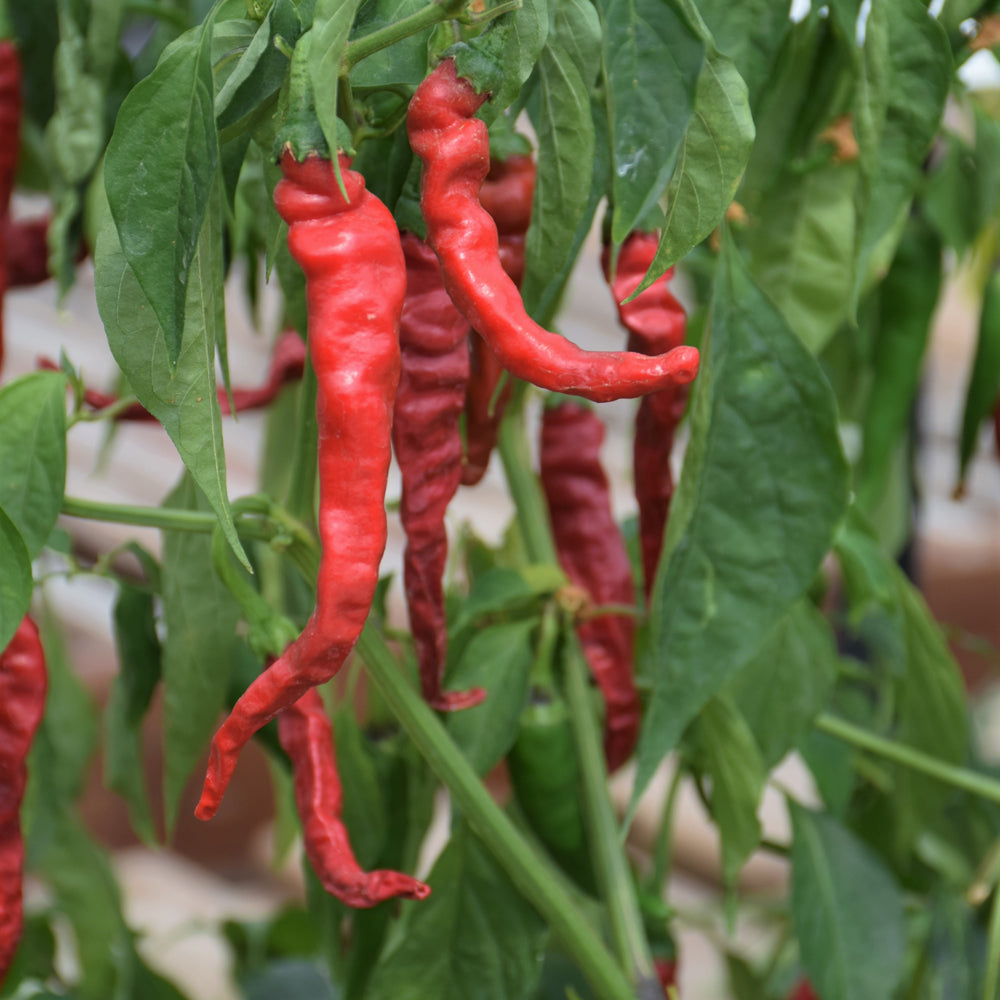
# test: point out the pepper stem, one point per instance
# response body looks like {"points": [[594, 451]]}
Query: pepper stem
{"points": [[412, 24]]}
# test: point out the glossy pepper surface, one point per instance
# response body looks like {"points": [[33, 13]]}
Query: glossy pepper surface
{"points": [[306, 735], [592, 552], [10, 132], [507, 194], [656, 324], [355, 284], [454, 148], [22, 701], [433, 340]]}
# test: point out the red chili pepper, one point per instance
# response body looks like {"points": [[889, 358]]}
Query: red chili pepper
{"points": [[803, 991], [22, 702], [454, 147], [507, 194], [287, 365], [428, 444], [307, 737], [10, 133], [592, 552], [656, 323], [355, 284], [666, 972], [26, 250]]}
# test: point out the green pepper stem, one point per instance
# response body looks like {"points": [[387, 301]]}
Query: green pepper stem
{"points": [[301, 498], [490, 823], [166, 518], [958, 777], [412, 24]]}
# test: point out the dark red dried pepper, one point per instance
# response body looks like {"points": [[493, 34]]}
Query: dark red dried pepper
{"points": [[656, 324], [22, 702], [287, 364], [507, 194], [306, 735], [10, 133], [592, 552], [433, 340], [355, 285], [454, 147]]}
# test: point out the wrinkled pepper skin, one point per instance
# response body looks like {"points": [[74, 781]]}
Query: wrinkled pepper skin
{"points": [[287, 365], [433, 340], [507, 194], [454, 148], [355, 285], [592, 552], [10, 134], [656, 323], [306, 735], [22, 702]]}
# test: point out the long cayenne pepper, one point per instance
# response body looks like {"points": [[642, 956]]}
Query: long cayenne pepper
{"points": [[355, 284], [592, 552], [433, 340], [306, 735], [22, 702], [454, 148], [656, 323]]}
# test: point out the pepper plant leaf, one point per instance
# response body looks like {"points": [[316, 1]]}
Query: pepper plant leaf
{"points": [[331, 28], [15, 579], [763, 488]]}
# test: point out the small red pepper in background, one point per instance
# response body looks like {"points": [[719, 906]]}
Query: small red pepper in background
{"points": [[26, 250], [287, 364], [803, 991], [355, 274], [454, 147], [10, 137], [592, 552], [666, 972], [656, 324], [306, 735], [22, 701], [433, 340], [507, 194]]}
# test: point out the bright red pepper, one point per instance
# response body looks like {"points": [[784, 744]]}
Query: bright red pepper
{"points": [[22, 702], [592, 552], [454, 147], [433, 339], [306, 735], [355, 285], [656, 324], [10, 135]]}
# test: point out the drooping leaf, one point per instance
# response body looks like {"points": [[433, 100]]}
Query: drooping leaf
{"points": [[159, 174], [331, 28], [763, 487], [364, 802], [847, 912], [33, 454], [15, 579]]}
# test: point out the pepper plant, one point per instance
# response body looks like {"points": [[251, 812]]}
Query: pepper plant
{"points": [[417, 182]]}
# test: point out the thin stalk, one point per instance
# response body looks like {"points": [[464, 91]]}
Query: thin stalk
{"points": [[301, 499], [613, 876], [663, 858], [958, 777], [149, 8], [490, 823], [990, 980], [413, 24]]}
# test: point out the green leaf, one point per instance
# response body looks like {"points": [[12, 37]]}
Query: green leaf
{"points": [[404, 63], [847, 912], [132, 690], [364, 803], [560, 113], [159, 174], [727, 753], [710, 163], [907, 298], [799, 660], [652, 57], [983, 392], [182, 397], [330, 30], [506, 591], [494, 938], [763, 487], [33, 454], [15, 579], [200, 617], [497, 658]]}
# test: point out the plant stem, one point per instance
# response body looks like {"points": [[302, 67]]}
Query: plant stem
{"points": [[414, 23], [167, 518], [663, 858], [148, 8], [613, 876], [301, 499], [490, 823], [990, 980], [958, 777]]}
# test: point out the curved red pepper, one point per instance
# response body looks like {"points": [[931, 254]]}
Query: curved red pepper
{"points": [[454, 147], [592, 552], [355, 284], [656, 323], [306, 735], [22, 702], [425, 434]]}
